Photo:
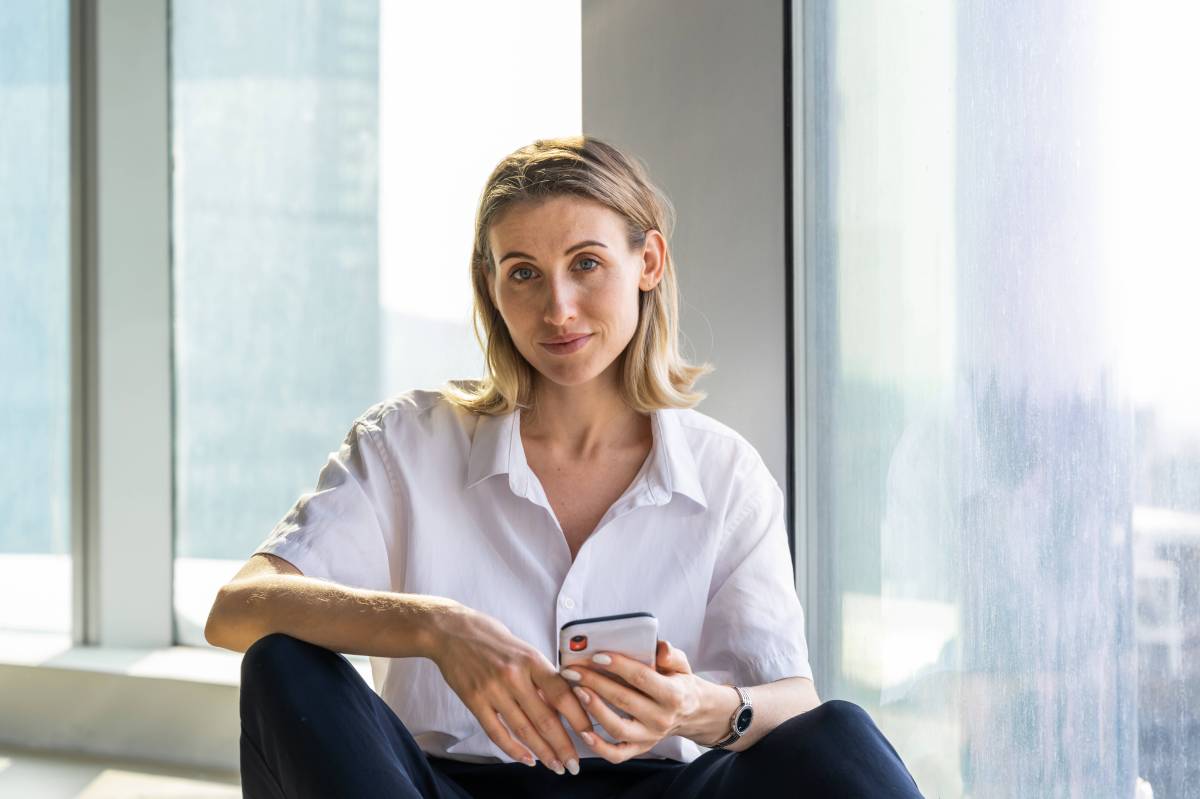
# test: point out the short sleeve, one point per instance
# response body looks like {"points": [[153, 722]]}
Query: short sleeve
{"points": [[341, 530], [753, 629]]}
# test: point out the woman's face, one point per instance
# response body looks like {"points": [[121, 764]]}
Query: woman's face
{"points": [[563, 268]]}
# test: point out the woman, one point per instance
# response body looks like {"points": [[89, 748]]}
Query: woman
{"points": [[456, 531]]}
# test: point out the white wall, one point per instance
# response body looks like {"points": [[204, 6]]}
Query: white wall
{"points": [[695, 89]]}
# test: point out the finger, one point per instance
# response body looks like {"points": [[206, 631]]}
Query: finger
{"points": [[595, 690], [545, 718], [556, 692], [637, 674], [613, 752], [525, 731], [622, 695], [671, 659], [662, 657], [495, 728]]}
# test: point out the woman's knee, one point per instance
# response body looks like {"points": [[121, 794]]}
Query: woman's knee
{"points": [[281, 667], [829, 742], [842, 713], [833, 714], [278, 650]]}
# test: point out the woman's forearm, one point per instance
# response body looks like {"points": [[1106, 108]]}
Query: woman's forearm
{"points": [[351, 620], [774, 703]]}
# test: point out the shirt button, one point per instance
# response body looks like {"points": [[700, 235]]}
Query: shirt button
{"points": [[568, 603]]}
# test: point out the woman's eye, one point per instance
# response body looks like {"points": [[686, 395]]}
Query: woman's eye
{"points": [[515, 274]]}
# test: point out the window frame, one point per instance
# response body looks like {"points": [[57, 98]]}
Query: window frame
{"points": [[798, 120], [123, 497], [122, 494], [122, 430]]}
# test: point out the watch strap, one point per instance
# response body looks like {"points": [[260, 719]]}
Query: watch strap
{"points": [[733, 731]]}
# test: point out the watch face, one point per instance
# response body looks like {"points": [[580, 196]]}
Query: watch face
{"points": [[743, 720]]}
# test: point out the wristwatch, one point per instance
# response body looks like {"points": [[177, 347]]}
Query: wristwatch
{"points": [[739, 722]]}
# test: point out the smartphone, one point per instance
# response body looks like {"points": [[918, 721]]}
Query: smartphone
{"points": [[634, 635]]}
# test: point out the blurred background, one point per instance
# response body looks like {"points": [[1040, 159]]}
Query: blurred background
{"points": [[937, 251]]}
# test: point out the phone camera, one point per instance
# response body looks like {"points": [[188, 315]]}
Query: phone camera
{"points": [[578, 643]]}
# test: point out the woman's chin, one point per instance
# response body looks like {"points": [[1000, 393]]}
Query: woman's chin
{"points": [[569, 374]]}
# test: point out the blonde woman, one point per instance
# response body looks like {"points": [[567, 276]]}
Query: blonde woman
{"points": [[455, 531]]}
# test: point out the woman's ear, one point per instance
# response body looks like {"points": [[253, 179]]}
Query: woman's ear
{"points": [[654, 260]]}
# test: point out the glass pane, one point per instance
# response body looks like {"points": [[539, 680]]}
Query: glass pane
{"points": [[35, 537], [327, 162], [1005, 441], [1151, 169]]}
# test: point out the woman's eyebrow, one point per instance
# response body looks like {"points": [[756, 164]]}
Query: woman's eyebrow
{"points": [[568, 251]]}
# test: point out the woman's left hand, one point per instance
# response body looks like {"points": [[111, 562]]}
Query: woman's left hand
{"points": [[663, 701]]}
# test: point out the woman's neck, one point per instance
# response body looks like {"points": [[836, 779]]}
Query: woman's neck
{"points": [[581, 422]]}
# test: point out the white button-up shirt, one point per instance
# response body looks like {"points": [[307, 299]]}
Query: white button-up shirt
{"points": [[423, 497]]}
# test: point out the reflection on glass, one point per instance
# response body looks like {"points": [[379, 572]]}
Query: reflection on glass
{"points": [[35, 545], [1151, 171], [327, 162], [1005, 443]]}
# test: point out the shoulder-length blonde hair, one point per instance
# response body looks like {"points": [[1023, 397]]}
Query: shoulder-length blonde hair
{"points": [[654, 374]]}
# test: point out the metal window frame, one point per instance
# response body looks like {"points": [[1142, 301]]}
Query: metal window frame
{"points": [[798, 120], [122, 498], [121, 371], [121, 317]]}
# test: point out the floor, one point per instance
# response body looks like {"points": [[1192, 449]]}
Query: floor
{"points": [[43, 775]]}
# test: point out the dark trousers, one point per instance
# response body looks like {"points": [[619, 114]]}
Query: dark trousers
{"points": [[311, 727]]}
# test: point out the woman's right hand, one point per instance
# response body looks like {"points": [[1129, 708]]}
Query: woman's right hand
{"points": [[506, 681]]}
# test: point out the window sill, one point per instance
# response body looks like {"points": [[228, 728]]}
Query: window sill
{"points": [[176, 705]]}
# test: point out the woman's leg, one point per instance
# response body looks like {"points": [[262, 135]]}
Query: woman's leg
{"points": [[597, 778], [832, 751], [312, 727]]}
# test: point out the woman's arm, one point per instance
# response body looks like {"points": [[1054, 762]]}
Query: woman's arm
{"points": [[774, 703], [670, 699], [500, 678], [271, 595]]}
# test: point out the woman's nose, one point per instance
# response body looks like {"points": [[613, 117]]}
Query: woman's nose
{"points": [[560, 303]]}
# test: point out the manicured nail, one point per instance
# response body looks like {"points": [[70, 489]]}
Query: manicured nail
{"points": [[587, 738], [570, 675], [529, 761], [602, 659], [557, 768], [582, 694], [573, 766]]}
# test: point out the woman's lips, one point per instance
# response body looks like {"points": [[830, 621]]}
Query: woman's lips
{"points": [[569, 347]]}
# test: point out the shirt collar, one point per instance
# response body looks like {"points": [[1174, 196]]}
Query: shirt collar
{"points": [[496, 449]]}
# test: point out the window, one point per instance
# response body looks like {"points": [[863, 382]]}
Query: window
{"points": [[322, 231], [35, 401], [1004, 438]]}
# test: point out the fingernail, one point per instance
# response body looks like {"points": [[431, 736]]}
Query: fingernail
{"points": [[582, 694], [573, 766], [558, 769], [587, 738], [570, 675], [529, 761], [602, 659]]}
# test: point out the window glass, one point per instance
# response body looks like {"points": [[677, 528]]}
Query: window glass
{"points": [[1004, 435], [327, 159], [35, 329]]}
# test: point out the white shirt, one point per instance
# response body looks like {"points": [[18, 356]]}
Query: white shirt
{"points": [[423, 497]]}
